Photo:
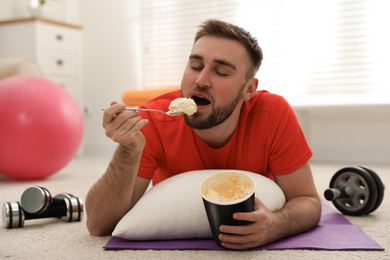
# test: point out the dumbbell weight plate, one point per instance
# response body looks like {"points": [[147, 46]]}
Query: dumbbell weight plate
{"points": [[36, 200], [13, 215], [74, 207], [365, 192]]}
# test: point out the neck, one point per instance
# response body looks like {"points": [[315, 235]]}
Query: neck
{"points": [[218, 136]]}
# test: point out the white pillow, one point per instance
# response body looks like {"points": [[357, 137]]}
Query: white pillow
{"points": [[173, 209]]}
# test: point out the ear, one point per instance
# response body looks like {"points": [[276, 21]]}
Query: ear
{"points": [[250, 89]]}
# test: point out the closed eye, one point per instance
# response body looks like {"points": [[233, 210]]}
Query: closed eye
{"points": [[196, 68], [222, 74]]}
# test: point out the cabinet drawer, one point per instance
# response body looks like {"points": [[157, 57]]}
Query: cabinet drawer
{"points": [[59, 63], [58, 37], [70, 85]]}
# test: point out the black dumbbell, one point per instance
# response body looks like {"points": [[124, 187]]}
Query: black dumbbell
{"points": [[355, 190], [36, 202]]}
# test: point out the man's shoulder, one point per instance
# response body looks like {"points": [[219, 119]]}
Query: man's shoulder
{"points": [[264, 100]]}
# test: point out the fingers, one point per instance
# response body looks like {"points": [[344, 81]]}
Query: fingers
{"points": [[238, 230], [251, 216], [122, 126], [240, 237], [258, 204], [111, 112], [125, 125], [247, 236], [237, 241]]}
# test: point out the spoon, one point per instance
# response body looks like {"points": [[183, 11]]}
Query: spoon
{"points": [[155, 110]]}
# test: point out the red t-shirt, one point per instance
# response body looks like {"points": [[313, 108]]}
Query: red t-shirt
{"points": [[268, 140]]}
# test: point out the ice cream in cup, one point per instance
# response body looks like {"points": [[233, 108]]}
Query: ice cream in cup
{"points": [[224, 194]]}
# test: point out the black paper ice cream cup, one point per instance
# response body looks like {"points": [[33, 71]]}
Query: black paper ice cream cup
{"points": [[221, 213]]}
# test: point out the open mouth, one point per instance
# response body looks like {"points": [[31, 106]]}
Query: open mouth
{"points": [[200, 101]]}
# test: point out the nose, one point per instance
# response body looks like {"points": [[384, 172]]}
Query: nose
{"points": [[203, 79]]}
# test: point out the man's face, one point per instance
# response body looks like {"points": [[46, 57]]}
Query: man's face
{"points": [[215, 78]]}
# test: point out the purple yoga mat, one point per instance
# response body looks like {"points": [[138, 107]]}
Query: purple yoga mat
{"points": [[334, 232]]}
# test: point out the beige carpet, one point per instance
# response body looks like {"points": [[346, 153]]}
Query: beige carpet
{"points": [[54, 239]]}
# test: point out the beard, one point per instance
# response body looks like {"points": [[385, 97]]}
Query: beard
{"points": [[218, 114]]}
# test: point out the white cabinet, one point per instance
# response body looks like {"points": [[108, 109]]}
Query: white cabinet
{"points": [[55, 46]]}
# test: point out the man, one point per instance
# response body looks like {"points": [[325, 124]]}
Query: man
{"points": [[236, 127]]}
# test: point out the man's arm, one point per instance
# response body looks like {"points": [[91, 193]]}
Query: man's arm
{"points": [[119, 188], [114, 194], [301, 212]]}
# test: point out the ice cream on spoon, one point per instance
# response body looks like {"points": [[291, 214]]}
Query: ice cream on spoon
{"points": [[182, 105]]}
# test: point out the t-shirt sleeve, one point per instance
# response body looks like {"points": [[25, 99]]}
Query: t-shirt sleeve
{"points": [[153, 152], [149, 160], [289, 149]]}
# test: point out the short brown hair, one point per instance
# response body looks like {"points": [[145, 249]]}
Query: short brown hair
{"points": [[218, 28]]}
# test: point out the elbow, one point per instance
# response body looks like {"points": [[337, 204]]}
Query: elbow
{"points": [[97, 230], [97, 225], [317, 210]]}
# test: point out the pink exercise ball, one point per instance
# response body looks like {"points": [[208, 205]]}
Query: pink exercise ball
{"points": [[41, 127]]}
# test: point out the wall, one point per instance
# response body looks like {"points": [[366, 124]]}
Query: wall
{"points": [[356, 134], [110, 63]]}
